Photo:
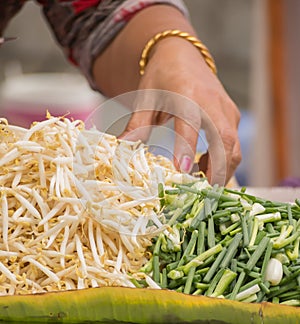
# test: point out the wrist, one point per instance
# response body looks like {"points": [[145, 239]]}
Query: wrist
{"points": [[177, 34]]}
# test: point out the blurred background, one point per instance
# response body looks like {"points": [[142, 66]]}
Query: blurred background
{"points": [[254, 44]]}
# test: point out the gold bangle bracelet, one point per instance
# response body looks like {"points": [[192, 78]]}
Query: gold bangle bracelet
{"points": [[177, 33]]}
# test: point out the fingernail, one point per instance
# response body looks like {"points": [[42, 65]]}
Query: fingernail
{"points": [[186, 164]]}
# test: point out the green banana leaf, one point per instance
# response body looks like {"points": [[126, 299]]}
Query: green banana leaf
{"points": [[134, 305]]}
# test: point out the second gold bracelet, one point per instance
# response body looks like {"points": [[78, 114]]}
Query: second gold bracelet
{"points": [[176, 33]]}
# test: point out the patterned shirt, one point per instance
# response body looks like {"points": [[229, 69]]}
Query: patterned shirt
{"points": [[83, 28]]}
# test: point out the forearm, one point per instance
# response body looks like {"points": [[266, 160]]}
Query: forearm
{"points": [[116, 70]]}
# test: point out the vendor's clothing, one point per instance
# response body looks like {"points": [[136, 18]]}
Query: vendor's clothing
{"points": [[84, 28]]}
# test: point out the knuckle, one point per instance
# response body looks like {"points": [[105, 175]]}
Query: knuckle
{"points": [[236, 113], [232, 109], [227, 103], [236, 159], [229, 137]]}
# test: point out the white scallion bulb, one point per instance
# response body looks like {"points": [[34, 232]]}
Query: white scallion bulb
{"points": [[274, 272]]}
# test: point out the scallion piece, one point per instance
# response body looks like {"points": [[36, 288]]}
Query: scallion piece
{"points": [[190, 247], [212, 270], [239, 283], [211, 241], [203, 256], [248, 292], [201, 238], [156, 273], [227, 277], [232, 250], [257, 253], [189, 281], [267, 257]]}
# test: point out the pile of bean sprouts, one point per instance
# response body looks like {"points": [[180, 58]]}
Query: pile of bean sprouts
{"points": [[78, 207]]}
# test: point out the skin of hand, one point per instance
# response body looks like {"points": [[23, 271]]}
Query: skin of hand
{"points": [[174, 66]]}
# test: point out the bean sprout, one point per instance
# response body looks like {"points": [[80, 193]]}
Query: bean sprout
{"points": [[78, 207]]}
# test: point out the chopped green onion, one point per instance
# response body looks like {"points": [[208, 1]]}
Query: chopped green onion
{"points": [[190, 247], [214, 282], [278, 244], [254, 231], [230, 228], [237, 286], [292, 302], [200, 216], [212, 270], [211, 233], [294, 255], [201, 238], [272, 217], [203, 256], [156, 273], [248, 292], [175, 274], [161, 194], [267, 257], [226, 279], [232, 250], [164, 279], [256, 209], [257, 253], [189, 281]]}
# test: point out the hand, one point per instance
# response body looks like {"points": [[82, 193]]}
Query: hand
{"points": [[176, 66]]}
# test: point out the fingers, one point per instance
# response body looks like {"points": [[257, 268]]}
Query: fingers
{"points": [[220, 152], [161, 106], [235, 160], [223, 154], [187, 123], [145, 105], [220, 122], [221, 132], [185, 145], [222, 158], [139, 126]]}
